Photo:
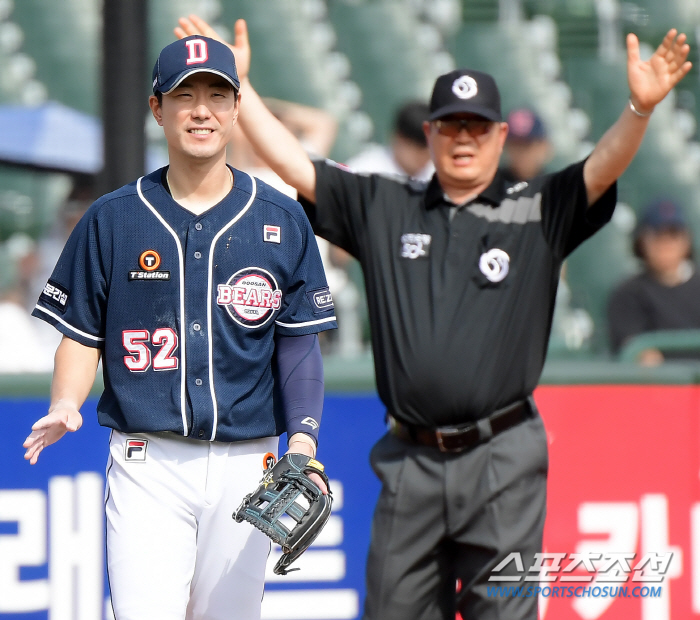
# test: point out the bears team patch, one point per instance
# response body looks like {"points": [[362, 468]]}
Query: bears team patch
{"points": [[251, 296]]}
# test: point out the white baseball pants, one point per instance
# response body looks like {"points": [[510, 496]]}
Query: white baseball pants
{"points": [[173, 550]]}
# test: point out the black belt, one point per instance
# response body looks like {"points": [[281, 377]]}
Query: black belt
{"points": [[460, 438]]}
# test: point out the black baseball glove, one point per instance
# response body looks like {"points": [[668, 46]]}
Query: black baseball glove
{"points": [[278, 494]]}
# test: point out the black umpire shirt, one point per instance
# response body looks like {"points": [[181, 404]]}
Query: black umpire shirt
{"points": [[460, 296]]}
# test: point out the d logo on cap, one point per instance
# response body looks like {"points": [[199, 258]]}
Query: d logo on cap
{"points": [[465, 87]]}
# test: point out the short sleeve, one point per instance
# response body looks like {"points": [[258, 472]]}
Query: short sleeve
{"points": [[339, 213], [307, 304], [567, 220], [75, 297]]}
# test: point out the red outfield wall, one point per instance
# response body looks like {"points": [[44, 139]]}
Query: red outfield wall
{"points": [[624, 478]]}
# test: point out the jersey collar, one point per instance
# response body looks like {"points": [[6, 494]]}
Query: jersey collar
{"points": [[493, 194]]}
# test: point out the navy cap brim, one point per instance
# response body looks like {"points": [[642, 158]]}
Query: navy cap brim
{"points": [[466, 107], [174, 82]]}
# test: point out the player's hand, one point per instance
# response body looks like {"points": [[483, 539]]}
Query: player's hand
{"points": [[652, 80], [240, 48], [299, 446], [61, 419]]}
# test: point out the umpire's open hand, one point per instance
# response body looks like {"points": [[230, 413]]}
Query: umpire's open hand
{"points": [[241, 48], [63, 418], [650, 81]]}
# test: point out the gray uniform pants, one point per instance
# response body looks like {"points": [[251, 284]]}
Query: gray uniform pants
{"points": [[448, 516]]}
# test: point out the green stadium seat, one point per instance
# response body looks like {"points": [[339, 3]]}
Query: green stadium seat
{"points": [[386, 63], [479, 11], [67, 64], [593, 270]]}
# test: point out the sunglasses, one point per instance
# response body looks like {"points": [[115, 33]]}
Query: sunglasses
{"points": [[475, 127]]}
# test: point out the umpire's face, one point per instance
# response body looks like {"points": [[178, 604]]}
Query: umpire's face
{"points": [[198, 116], [465, 149]]}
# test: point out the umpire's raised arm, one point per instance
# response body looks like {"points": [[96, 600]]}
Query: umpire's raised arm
{"points": [[649, 81], [271, 139]]}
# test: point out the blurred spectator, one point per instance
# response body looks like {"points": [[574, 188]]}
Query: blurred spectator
{"points": [[527, 147], [49, 249], [22, 349], [407, 154], [666, 295], [316, 130], [572, 328]]}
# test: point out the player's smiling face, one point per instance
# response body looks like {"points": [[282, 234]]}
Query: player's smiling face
{"points": [[198, 116], [465, 149]]}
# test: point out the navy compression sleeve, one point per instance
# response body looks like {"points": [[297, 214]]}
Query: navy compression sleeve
{"points": [[299, 375]]}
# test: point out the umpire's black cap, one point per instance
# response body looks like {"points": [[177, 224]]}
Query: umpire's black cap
{"points": [[193, 54], [465, 90]]}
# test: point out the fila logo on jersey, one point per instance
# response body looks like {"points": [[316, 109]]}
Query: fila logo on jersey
{"points": [[250, 296], [197, 51], [272, 234], [310, 422], [415, 245], [494, 264], [135, 450], [55, 295], [321, 300], [149, 261]]}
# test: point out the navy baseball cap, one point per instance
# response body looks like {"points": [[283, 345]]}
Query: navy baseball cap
{"points": [[464, 90], [524, 124], [193, 54], [663, 214]]}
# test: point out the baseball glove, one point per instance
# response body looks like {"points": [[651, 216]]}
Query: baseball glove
{"points": [[277, 495]]}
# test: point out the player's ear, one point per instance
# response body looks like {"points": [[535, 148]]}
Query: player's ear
{"points": [[502, 129], [236, 108], [156, 109]]}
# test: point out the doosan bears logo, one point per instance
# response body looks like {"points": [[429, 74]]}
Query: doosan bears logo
{"points": [[251, 296]]}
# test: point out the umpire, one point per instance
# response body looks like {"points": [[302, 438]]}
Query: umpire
{"points": [[461, 276]]}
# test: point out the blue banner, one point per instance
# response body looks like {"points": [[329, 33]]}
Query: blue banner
{"points": [[52, 520]]}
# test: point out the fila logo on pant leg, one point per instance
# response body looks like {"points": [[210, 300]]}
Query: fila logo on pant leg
{"points": [[135, 450]]}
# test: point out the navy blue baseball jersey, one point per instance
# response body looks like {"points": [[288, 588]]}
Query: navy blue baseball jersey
{"points": [[185, 307]]}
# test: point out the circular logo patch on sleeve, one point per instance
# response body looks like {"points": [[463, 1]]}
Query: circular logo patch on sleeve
{"points": [[251, 296]]}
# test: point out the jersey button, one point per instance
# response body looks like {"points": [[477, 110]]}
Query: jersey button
{"points": [[198, 255], [198, 382], [200, 434], [198, 225], [196, 327]]}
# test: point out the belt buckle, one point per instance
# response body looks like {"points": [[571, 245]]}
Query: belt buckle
{"points": [[441, 434]]}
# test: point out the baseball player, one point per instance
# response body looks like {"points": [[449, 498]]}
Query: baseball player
{"points": [[461, 276], [202, 291]]}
